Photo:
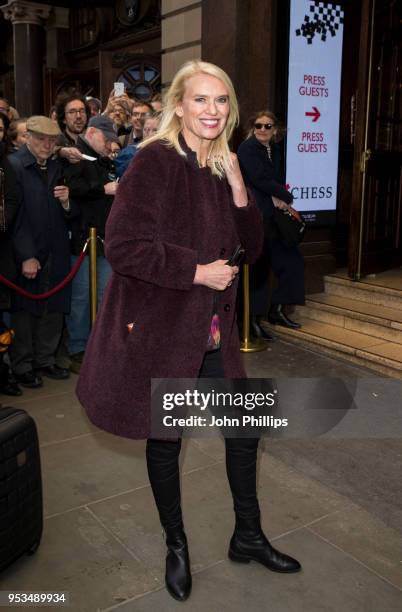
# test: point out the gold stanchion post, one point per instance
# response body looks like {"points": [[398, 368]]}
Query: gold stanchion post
{"points": [[247, 345], [93, 299]]}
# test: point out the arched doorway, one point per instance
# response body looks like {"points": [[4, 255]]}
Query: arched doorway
{"points": [[142, 79]]}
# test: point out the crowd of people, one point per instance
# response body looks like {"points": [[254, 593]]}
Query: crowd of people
{"points": [[59, 177]]}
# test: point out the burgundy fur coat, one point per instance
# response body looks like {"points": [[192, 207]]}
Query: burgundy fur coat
{"points": [[168, 216]]}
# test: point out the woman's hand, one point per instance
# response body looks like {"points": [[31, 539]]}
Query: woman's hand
{"points": [[216, 275], [280, 204], [235, 180]]}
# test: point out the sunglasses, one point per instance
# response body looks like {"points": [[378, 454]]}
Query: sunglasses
{"points": [[265, 126]]}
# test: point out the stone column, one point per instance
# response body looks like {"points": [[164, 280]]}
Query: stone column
{"points": [[58, 21], [29, 38], [181, 35]]}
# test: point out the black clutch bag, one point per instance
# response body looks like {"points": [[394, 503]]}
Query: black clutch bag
{"points": [[290, 230]]}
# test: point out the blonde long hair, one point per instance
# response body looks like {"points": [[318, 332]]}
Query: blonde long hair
{"points": [[171, 126]]}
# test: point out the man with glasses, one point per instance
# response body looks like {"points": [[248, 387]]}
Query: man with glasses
{"points": [[72, 116], [140, 110]]}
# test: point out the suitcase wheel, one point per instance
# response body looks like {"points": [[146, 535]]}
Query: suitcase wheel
{"points": [[32, 549]]}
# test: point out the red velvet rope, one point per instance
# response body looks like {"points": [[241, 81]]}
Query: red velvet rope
{"points": [[53, 290]]}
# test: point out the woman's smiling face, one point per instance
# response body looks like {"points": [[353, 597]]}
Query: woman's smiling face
{"points": [[204, 109]]}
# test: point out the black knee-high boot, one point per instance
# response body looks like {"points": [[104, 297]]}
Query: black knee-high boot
{"points": [[248, 542], [164, 476]]}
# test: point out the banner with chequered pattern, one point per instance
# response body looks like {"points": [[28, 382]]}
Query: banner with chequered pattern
{"points": [[324, 19]]}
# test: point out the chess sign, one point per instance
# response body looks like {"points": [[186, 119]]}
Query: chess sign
{"points": [[315, 64]]}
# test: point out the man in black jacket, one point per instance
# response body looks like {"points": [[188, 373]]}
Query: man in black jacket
{"points": [[40, 243], [92, 187], [73, 113]]}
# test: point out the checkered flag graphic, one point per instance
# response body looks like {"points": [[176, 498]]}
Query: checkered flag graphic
{"points": [[324, 20]]}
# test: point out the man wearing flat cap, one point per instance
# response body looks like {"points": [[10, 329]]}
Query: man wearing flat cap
{"points": [[42, 253], [92, 187]]}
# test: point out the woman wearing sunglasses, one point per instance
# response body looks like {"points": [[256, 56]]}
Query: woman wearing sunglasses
{"points": [[260, 161]]}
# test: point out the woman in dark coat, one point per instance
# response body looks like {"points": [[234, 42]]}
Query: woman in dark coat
{"points": [[9, 204], [180, 210], [260, 161]]}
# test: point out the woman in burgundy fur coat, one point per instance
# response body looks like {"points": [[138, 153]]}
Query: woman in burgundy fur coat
{"points": [[180, 210]]}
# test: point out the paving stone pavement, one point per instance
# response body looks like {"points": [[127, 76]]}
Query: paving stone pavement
{"points": [[103, 543]]}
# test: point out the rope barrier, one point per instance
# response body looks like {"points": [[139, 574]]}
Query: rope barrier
{"points": [[56, 289]]}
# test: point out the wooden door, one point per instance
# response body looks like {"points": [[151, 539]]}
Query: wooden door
{"points": [[376, 213]]}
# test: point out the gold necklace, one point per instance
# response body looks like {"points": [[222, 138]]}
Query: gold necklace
{"points": [[207, 164]]}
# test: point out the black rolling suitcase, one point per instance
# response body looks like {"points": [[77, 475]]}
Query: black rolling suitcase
{"points": [[21, 514]]}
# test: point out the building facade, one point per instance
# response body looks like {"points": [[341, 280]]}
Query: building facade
{"points": [[61, 46], [50, 47]]}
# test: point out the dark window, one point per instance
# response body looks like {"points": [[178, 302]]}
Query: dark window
{"points": [[141, 80], [83, 27]]}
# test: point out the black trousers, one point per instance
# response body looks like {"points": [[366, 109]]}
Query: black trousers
{"points": [[241, 466], [36, 340], [287, 265]]}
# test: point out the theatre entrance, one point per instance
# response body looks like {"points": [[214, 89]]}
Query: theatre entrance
{"points": [[375, 131]]}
